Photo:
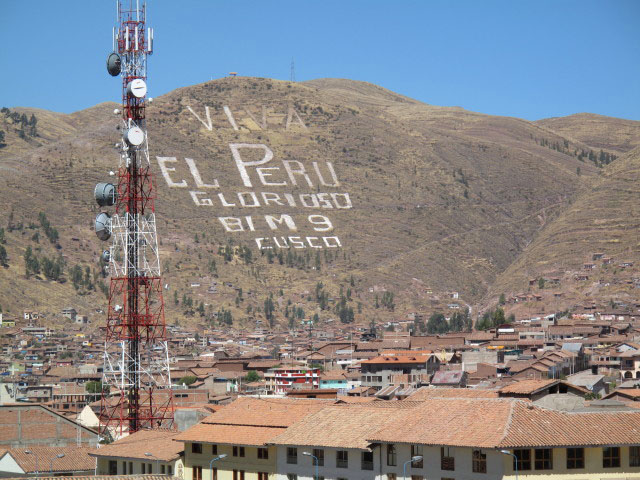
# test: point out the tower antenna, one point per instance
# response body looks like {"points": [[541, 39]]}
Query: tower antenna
{"points": [[136, 378], [292, 74]]}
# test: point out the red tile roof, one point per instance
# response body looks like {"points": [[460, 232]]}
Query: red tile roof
{"points": [[158, 442]]}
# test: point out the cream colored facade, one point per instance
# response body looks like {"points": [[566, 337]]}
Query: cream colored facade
{"points": [[247, 467], [136, 466], [498, 466], [593, 468]]}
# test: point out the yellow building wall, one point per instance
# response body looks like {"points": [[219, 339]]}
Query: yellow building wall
{"points": [[250, 463], [592, 464]]}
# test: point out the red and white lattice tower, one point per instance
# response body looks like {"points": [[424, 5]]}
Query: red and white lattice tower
{"points": [[136, 356]]}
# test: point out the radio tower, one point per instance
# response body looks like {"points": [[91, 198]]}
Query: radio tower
{"points": [[136, 379]]}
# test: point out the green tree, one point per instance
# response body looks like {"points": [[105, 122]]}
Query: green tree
{"points": [[541, 283], [95, 387], [269, 309], [437, 324], [31, 263], [457, 323], [502, 300], [187, 380], [252, 376], [4, 258]]}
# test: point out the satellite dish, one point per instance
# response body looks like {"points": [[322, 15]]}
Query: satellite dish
{"points": [[103, 226], [116, 111], [137, 88], [105, 194], [114, 64], [134, 136], [106, 256]]}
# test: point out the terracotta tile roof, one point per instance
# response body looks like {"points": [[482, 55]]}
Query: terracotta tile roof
{"points": [[341, 426], [75, 458], [527, 387], [266, 412], [229, 434], [625, 392], [348, 399], [425, 393], [454, 422], [252, 421], [534, 427], [105, 477], [158, 442], [384, 359]]}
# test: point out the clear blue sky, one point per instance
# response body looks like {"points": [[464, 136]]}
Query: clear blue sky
{"points": [[525, 58]]}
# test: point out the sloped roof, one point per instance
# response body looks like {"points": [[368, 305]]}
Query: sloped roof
{"points": [[251, 421], [425, 393], [158, 442], [74, 459], [448, 421], [527, 387], [229, 434], [340, 426]]}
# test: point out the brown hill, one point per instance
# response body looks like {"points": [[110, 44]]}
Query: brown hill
{"points": [[597, 131], [442, 199], [592, 248]]}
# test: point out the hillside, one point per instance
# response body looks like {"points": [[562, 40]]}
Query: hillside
{"points": [[441, 199], [597, 131], [592, 248]]}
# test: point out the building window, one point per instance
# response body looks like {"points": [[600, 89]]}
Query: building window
{"points": [[113, 467], [319, 454], [238, 475], [524, 459], [611, 457], [144, 467], [634, 456], [170, 471], [292, 476], [367, 461], [416, 451], [575, 458], [479, 461], [149, 468], [263, 476], [162, 469], [447, 462], [197, 473], [544, 459], [263, 453], [392, 455], [342, 459], [214, 449], [130, 468], [238, 451], [292, 455], [124, 468], [196, 448]]}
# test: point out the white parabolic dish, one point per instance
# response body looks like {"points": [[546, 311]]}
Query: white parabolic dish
{"points": [[134, 136], [137, 88]]}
